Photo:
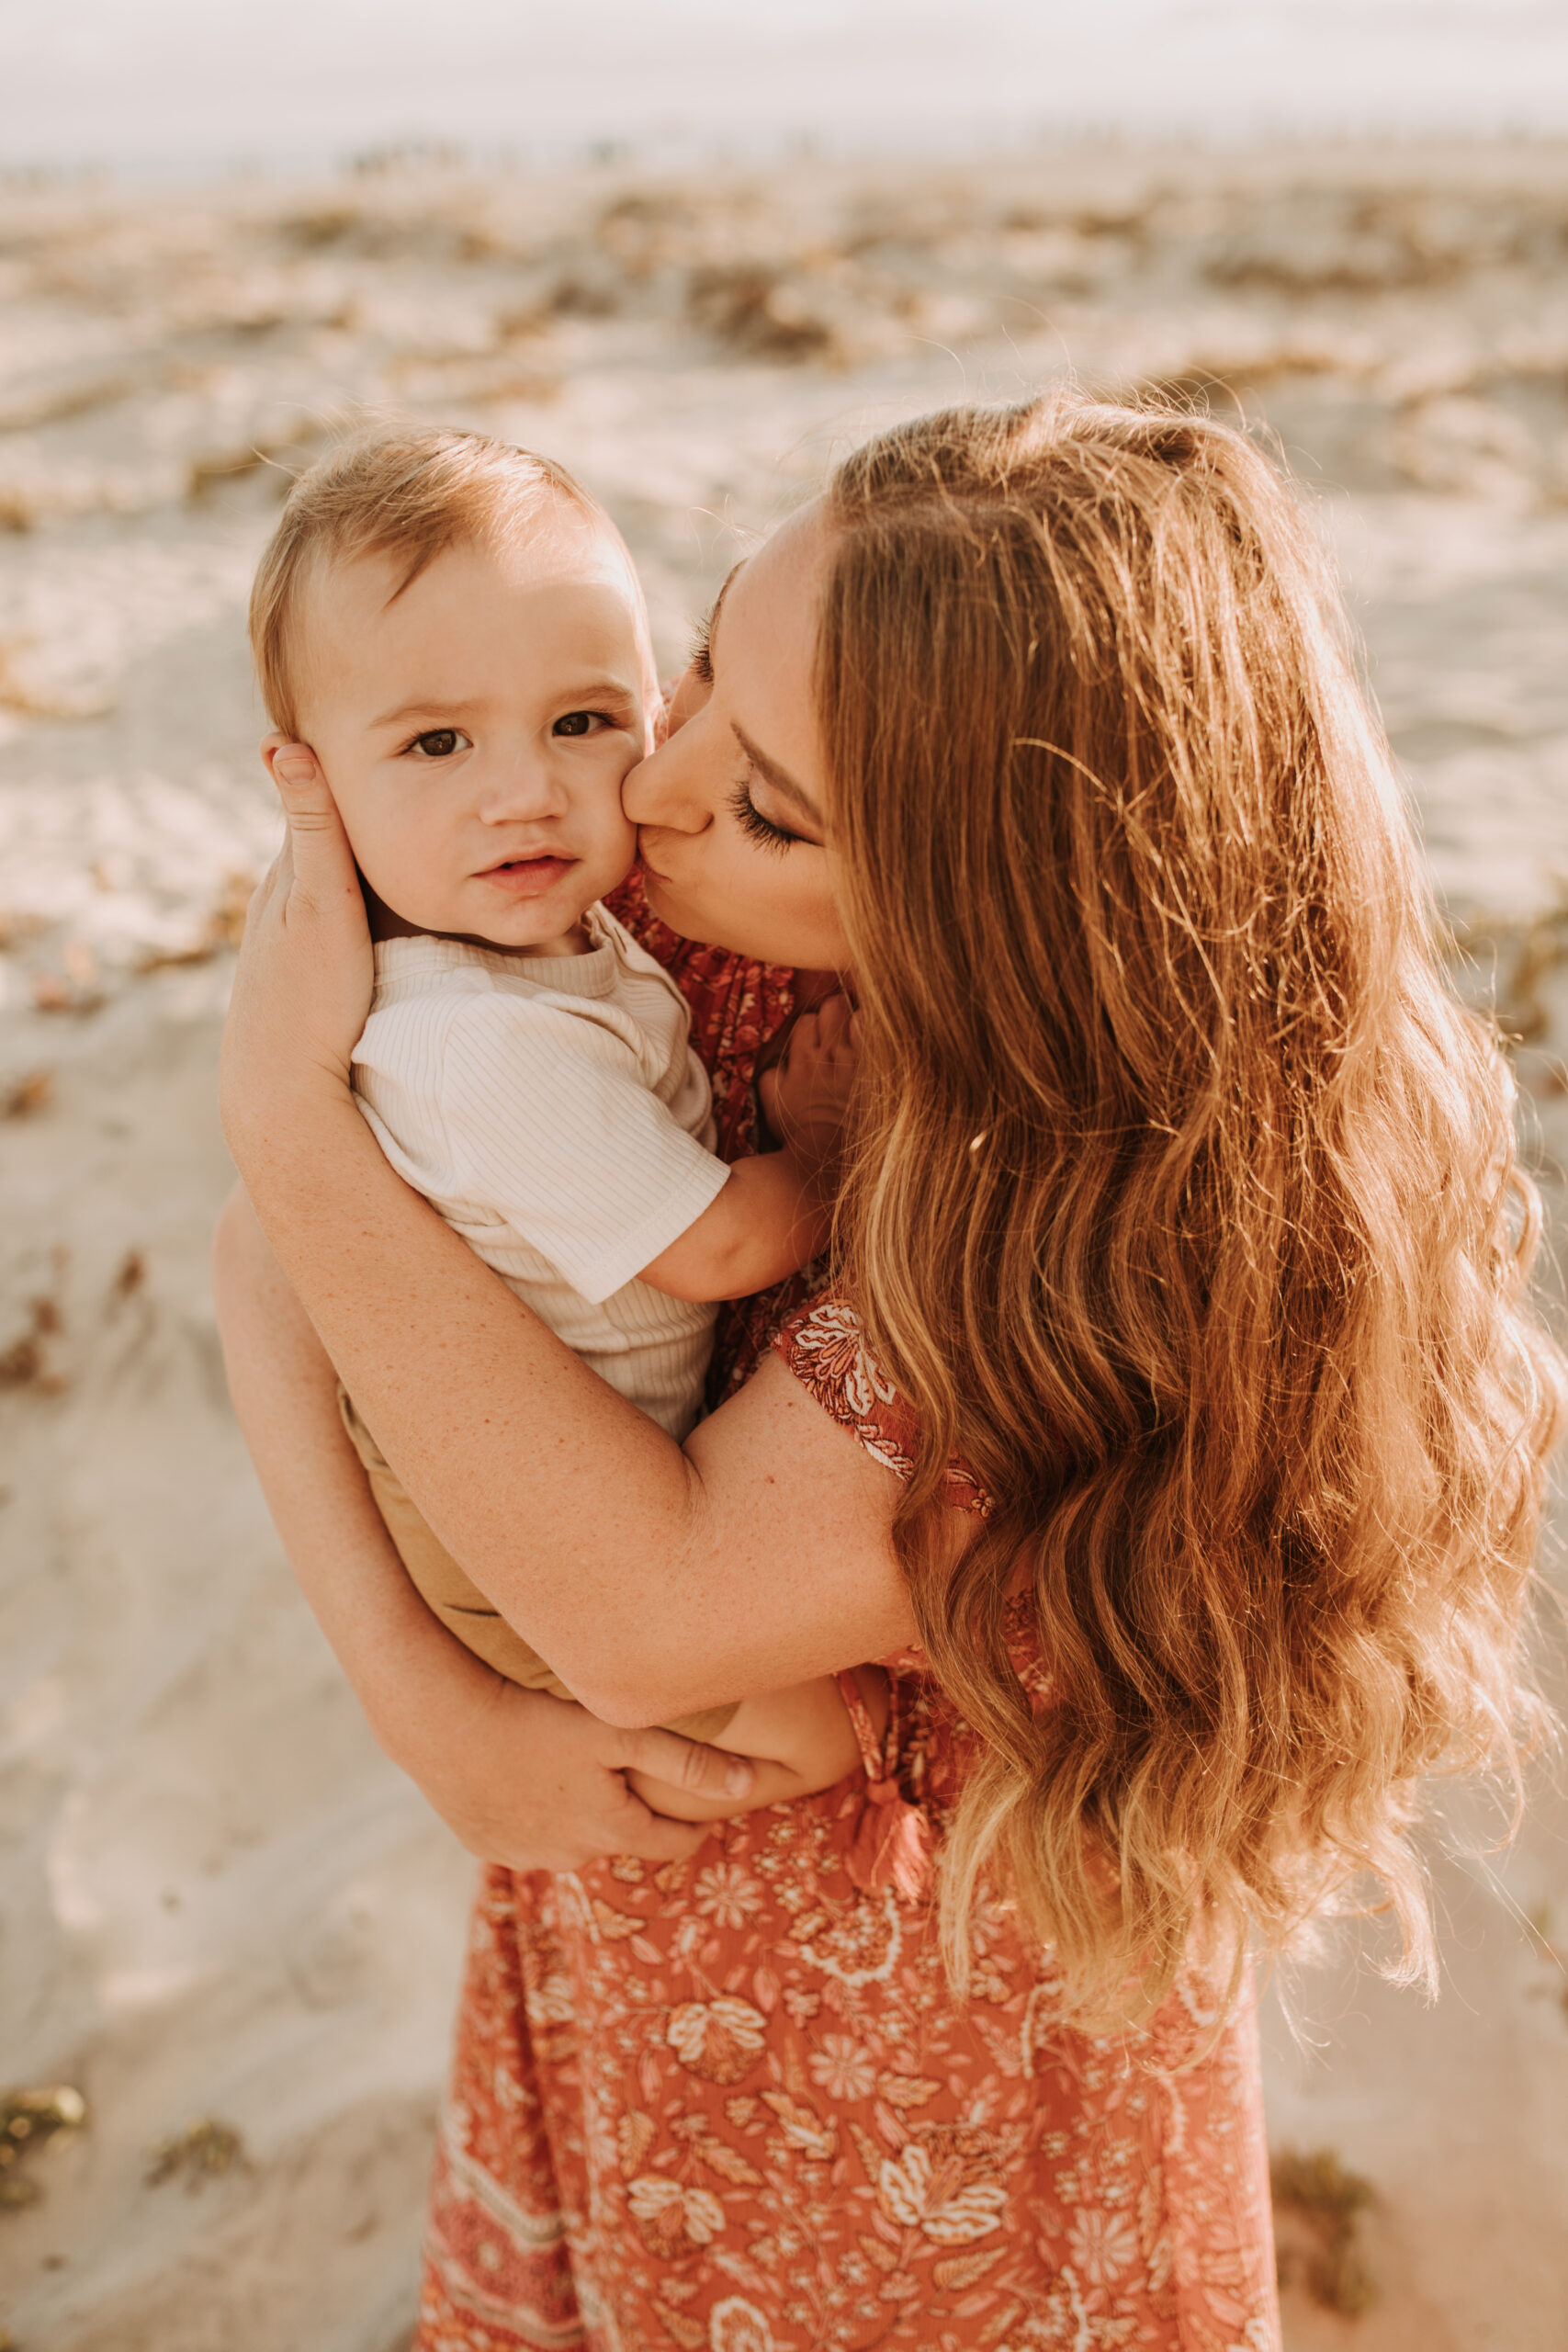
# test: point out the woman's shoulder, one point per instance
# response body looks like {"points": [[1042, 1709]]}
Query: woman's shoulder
{"points": [[825, 1346]]}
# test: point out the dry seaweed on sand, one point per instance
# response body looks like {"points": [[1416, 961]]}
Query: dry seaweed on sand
{"points": [[25, 1364], [206, 2150], [131, 1276], [27, 1094], [1519, 956], [1324, 2200], [27, 2119]]}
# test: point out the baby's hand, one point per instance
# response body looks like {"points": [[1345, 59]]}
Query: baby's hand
{"points": [[805, 1095]]}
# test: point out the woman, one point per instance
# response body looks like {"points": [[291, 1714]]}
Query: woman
{"points": [[1175, 1432]]}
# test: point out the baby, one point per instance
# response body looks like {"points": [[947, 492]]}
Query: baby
{"points": [[458, 633]]}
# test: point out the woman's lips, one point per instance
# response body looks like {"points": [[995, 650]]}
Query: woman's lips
{"points": [[644, 833], [528, 877]]}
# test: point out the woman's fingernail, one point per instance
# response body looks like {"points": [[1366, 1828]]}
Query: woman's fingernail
{"points": [[292, 768], [738, 1780]]}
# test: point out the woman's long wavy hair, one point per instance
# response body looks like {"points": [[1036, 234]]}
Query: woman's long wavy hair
{"points": [[1184, 1205]]}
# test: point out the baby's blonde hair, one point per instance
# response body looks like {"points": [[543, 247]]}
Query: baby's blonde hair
{"points": [[410, 493]]}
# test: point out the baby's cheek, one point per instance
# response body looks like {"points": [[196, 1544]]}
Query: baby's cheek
{"points": [[419, 873]]}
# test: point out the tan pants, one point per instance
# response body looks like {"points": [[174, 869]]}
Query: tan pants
{"points": [[457, 1600]]}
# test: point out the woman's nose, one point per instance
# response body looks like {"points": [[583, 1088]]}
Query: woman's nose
{"points": [[665, 788]]}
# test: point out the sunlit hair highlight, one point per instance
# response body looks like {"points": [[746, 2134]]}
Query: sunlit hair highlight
{"points": [[1184, 1206], [408, 493]]}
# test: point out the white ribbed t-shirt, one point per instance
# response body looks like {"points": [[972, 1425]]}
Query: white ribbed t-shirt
{"points": [[552, 1109]]}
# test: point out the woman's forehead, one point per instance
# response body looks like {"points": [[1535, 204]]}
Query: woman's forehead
{"points": [[718, 605], [780, 582]]}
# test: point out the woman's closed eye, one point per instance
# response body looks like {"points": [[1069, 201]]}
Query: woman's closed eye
{"points": [[754, 825], [439, 743]]}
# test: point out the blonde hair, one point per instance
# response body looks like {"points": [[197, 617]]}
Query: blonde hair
{"points": [[1184, 1204], [409, 493]]}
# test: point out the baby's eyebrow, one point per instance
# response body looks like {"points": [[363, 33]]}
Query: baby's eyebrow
{"points": [[577, 694], [598, 690], [446, 705]]}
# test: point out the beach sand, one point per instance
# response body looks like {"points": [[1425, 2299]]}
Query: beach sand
{"points": [[220, 1905]]}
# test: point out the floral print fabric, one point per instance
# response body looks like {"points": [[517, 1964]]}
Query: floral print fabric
{"points": [[825, 1348], [729, 2105]]}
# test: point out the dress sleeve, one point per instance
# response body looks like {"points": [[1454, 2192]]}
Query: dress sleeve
{"points": [[825, 1347]]}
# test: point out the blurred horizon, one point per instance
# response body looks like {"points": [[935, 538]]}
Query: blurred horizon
{"points": [[178, 86]]}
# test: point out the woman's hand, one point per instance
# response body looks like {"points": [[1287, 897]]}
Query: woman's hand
{"points": [[537, 1783], [306, 970]]}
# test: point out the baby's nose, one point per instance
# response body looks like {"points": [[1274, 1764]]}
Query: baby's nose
{"points": [[520, 787]]}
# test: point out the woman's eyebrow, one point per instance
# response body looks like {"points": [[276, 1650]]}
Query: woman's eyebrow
{"points": [[779, 779]]}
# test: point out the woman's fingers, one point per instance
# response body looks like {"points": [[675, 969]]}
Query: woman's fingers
{"points": [[652, 1837], [536, 1784], [320, 862], [303, 982], [688, 1764]]}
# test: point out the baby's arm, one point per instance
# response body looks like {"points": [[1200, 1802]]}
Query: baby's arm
{"points": [[772, 1216], [768, 1222], [798, 1740]]}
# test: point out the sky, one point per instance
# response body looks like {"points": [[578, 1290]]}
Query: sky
{"points": [[176, 85]]}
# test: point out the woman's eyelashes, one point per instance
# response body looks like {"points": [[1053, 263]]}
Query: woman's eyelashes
{"points": [[701, 650], [754, 824]]}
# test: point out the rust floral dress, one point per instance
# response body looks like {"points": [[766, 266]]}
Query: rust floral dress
{"points": [[728, 2105]]}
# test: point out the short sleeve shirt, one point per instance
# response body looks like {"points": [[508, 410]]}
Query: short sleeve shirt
{"points": [[552, 1110]]}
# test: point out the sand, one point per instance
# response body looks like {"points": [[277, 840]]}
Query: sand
{"points": [[218, 1901]]}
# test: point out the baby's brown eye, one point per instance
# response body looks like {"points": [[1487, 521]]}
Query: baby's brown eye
{"points": [[576, 722], [439, 743]]}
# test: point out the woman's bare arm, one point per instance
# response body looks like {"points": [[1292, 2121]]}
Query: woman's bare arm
{"points": [[655, 1582], [520, 1777]]}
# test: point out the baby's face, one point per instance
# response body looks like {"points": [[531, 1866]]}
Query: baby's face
{"points": [[475, 729]]}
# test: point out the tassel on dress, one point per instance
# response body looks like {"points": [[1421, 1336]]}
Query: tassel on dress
{"points": [[893, 1845]]}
